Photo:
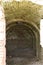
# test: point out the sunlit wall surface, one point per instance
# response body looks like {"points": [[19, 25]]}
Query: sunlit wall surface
{"points": [[2, 36], [40, 2]]}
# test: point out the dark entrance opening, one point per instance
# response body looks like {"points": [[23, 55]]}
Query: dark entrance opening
{"points": [[20, 40]]}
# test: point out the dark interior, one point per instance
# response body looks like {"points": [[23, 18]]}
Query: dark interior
{"points": [[20, 41]]}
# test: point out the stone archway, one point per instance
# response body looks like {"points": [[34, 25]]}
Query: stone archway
{"points": [[22, 39]]}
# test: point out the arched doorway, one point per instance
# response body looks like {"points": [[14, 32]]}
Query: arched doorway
{"points": [[21, 39]]}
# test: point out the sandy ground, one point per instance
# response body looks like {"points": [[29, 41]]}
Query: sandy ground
{"points": [[25, 61]]}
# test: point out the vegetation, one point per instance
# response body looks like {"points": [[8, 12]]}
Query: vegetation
{"points": [[22, 10]]}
